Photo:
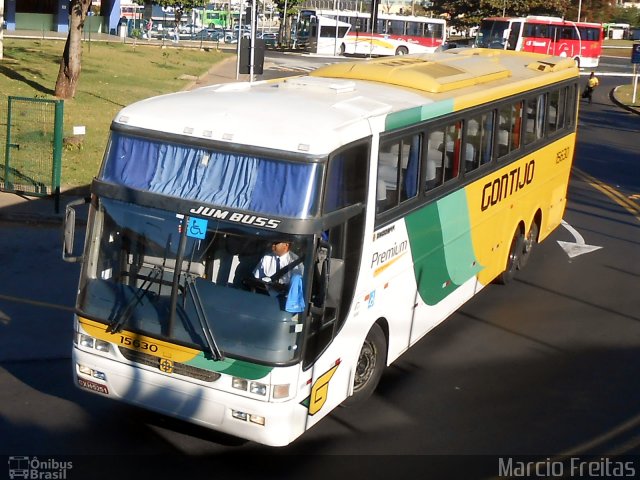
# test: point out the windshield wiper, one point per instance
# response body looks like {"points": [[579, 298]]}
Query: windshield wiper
{"points": [[138, 295], [202, 318]]}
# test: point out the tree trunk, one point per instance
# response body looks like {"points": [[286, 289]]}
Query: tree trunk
{"points": [[71, 61]]}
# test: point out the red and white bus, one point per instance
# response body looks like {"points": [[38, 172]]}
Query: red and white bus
{"points": [[541, 34], [392, 35]]}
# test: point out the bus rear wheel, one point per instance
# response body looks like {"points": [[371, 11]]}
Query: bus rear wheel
{"points": [[530, 240], [402, 51], [513, 260], [371, 363]]}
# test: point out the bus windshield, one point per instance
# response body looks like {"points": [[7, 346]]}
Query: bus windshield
{"points": [[193, 281], [492, 34]]}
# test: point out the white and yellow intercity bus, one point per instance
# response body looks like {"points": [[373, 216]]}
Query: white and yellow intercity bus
{"points": [[401, 186]]}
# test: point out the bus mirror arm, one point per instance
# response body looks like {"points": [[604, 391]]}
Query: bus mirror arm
{"points": [[69, 229]]}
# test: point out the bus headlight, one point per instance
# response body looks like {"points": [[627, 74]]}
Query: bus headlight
{"points": [[239, 383], [88, 341], [258, 388], [103, 346], [85, 340]]}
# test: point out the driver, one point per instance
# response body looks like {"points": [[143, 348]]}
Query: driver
{"points": [[274, 261]]}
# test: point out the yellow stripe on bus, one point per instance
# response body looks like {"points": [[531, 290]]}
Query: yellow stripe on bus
{"points": [[137, 342]]}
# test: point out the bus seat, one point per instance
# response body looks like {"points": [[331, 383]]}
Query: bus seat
{"points": [[469, 157], [169, 264], [435, 139], [434, 165], [503, 142], [473, 127]]}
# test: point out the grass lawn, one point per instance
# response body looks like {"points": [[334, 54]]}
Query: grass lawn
{"points": [[113, 75], [624, 94]]}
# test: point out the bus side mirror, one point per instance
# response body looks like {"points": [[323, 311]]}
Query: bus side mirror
{"points": [[69, 229], [331, 281]]}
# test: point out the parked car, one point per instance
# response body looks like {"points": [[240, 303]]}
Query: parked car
{"points": [[203, 34], [270, 39], [189, 28]]}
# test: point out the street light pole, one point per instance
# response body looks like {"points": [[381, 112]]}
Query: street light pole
{"points": [[579, 9], [1, 29]]}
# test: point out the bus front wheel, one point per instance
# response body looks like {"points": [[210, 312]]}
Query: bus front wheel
{"points": [[343, 48], [516, 250], [371, 363], [402, 51]]}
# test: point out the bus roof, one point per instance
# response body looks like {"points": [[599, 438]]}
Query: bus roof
{"points": [[334, 105]]}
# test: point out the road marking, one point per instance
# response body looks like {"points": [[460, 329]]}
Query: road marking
{"points": [[627, 203], [36, 303], [579, 247]]}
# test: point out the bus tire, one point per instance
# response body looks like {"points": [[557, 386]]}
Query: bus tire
{"points": [[577, 60], [530, 240], [343, 48], [513, 259], [402, 51], [371, 362]]}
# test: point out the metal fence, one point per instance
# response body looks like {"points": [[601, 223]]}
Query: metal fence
{"points": [[31, 146]]}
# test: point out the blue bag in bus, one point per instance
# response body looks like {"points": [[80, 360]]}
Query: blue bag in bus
{"points": [[295, 299]]}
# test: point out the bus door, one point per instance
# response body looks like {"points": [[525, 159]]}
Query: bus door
{"points": [[514, 36], [333, 283], [567, 39]]}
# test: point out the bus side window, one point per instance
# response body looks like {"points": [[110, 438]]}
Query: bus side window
{"points": [[486, 137], [434, 159], [473, 137], [516, 125], [453, 147], [387, 185], [346, 182], [561, 109], [398, 171], [534, 118], [571, 105], [552, 114], [504, 130]]}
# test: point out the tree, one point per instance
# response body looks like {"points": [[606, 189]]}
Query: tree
{"points": [[71, 62]]}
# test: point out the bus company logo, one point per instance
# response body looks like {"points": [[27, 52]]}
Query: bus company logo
{"points": [[506, 185], [383, 232], [381, 260], [236, 217], [166, 365], [35, 468]]}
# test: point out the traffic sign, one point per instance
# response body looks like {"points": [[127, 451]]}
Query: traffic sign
{"points": [[635, 53]]}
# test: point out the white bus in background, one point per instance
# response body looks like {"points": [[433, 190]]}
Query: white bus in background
{"points": [[393, 34], [320, 34], [617, 31]]}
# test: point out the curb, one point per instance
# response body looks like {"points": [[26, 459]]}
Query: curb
{"points": [[612, 97]]}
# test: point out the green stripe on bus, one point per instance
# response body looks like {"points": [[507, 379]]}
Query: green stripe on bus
{"points": [[417, 114], [441, 247], [229, 366], [458, 251]]}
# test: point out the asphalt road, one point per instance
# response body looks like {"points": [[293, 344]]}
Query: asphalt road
{"points": [[546, 366]]}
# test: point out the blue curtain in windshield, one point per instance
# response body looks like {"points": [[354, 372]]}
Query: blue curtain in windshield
{"points": [[226, 179]]}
